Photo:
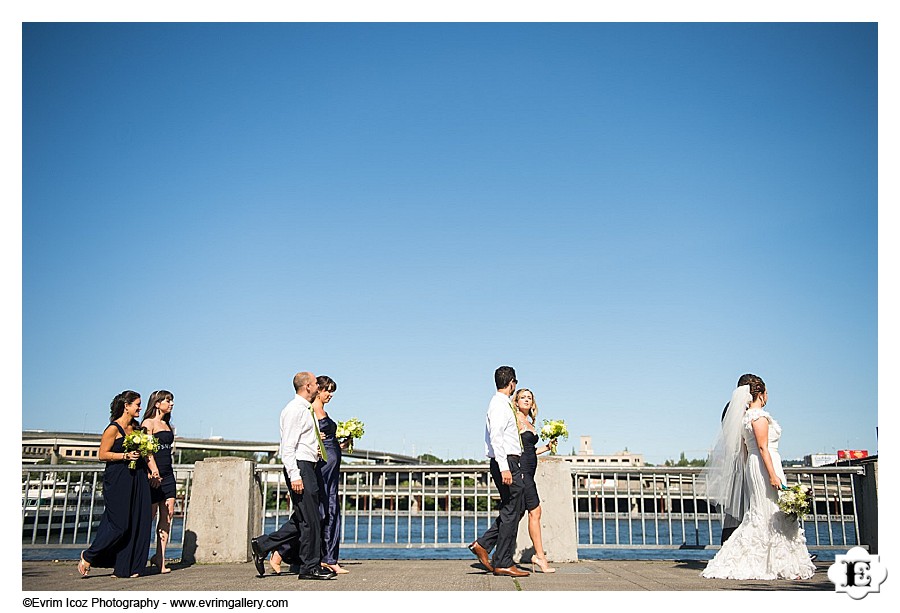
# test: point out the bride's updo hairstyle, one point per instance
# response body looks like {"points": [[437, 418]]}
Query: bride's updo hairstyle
{"points": [[757, 387], [117, 406]]}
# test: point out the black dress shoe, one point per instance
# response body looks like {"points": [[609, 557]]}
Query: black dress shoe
{"points": [[319, 573], [259, 556]]}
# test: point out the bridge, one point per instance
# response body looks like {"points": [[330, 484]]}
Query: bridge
{"points": [[38, 445]]}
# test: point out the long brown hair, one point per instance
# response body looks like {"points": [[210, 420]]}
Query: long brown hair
{"points": [[151, 410]]}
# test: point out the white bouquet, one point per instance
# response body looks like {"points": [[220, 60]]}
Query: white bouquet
{"points": [[794, 500], [353, 428], [145, 444], [552, 430]]}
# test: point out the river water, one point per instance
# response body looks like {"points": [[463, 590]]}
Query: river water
{"points": [[420, 535]]}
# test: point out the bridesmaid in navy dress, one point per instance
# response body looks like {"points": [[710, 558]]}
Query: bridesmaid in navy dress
{"points": [[526, 415], [329, 505], [156, 421], [123, 536]]}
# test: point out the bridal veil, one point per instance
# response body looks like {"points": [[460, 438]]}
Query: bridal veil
{"points": [[724, 470]]}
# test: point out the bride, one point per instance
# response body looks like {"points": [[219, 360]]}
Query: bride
{"points": [[768, 544]]}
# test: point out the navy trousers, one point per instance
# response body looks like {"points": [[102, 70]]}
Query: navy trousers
{"points": [[501, 536], [304, 525]]}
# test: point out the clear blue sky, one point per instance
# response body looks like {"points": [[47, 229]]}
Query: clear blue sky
{"points": [[631, 215]]}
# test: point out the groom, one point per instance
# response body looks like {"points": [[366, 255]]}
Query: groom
{"points": [[504, 447], [299, 452]]}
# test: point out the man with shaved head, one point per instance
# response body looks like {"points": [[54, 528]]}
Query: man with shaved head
{"points": [[299, 452]]}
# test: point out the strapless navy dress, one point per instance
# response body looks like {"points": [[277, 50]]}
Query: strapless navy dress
{"points": [[163, 459], [528, 464], [123, 536]]}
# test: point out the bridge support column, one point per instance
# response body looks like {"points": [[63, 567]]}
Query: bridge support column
{"points": [[558, 532], [224, 512]]}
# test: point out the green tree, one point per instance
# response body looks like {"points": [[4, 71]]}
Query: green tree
{"points": [[684, 462], [189, 456], [427, 458]]}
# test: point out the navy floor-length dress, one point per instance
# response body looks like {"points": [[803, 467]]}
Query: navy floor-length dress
{"points": [[329, 503], [123, 536]]}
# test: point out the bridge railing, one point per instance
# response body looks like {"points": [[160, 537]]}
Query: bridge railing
{"points": [[636, 507], [62, 504], [666, 507], [447, 506]]}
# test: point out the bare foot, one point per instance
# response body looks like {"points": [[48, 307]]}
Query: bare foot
{"points": [[275, 562], [83, 567], [154, 561], [337, 568]]}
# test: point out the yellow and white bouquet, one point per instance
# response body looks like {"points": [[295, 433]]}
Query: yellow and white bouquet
{"points": [[141, 442], [552, 430], [794, 500], [353, 428]]}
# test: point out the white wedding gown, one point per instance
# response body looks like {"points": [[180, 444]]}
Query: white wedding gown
{"points": [[768, 544]]}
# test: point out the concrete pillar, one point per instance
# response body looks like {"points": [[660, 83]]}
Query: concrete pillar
{"points": [[866, 486], [224, 511], [558, 532]]}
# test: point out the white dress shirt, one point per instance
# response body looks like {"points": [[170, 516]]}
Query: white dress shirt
{"points": [[501, 432], [298, 436]]}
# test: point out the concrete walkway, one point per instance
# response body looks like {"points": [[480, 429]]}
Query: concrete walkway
{"points": [[411, 575]]}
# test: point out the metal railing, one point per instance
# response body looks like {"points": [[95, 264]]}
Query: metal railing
{"points": [[424, 506], [650, 507], [448, 506], [662, 508], [62, 504]]}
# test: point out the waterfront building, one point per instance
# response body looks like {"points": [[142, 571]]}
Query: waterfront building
{"points": [[38, 446], [586, 457], [820, 459]]}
